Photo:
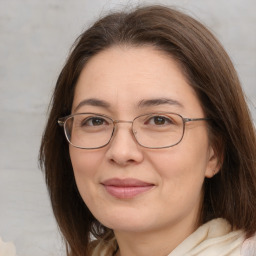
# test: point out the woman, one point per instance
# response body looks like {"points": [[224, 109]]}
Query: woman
{"points": [[161, 153]]}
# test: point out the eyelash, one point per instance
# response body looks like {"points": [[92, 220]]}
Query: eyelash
{"points": [[164, 118], [91, 119]]}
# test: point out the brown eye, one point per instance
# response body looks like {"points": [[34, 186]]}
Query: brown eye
{"points": [[94, 121], [159, 120]]}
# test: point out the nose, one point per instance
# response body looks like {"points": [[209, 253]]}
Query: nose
{"points": [[123, 149]]}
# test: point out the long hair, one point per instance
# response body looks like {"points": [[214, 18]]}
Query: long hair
{"points": [[230, 194]]}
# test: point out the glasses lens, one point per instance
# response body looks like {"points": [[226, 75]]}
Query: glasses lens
{"points": [[88, 130], [158, 130]]}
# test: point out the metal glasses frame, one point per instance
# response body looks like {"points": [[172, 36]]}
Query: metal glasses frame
{"points": [[63, 120]]}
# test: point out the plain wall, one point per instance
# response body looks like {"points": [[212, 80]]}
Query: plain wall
{"points": [[35, 40]]}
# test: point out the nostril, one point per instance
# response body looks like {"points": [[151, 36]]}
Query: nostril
{"points": [[120, 162]]}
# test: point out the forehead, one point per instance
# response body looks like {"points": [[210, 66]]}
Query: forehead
{"points": [[125, 76]]}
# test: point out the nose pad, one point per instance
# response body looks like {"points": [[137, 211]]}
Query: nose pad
{"points": [[134, 133]]}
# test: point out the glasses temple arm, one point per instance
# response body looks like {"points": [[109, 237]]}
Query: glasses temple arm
{"points": [[61, 122], [196, 119]]}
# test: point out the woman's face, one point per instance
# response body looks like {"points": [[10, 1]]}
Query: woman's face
{"points": [[129, 188]]}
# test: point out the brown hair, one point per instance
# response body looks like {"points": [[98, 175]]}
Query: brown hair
{"points": [[230, 194]]}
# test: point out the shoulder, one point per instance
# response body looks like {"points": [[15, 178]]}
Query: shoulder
{"points": [[249, 247], [7, 249]]}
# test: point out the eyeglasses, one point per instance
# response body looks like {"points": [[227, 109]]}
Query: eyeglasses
{"points": [[155, 130]]}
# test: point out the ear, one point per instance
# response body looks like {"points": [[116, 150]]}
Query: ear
{"points": [[214, 163]]}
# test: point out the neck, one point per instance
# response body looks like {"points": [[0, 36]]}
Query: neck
{"points": [[156, 242]]}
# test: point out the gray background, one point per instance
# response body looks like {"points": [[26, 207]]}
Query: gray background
{"points": [[35, 40]]}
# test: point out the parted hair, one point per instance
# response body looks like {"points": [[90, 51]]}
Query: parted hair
{"points": [[231, 193]]}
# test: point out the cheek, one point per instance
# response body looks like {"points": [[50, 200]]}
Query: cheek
{"points": [[182, 168], [179, 163], [84, 162], [85, 165]]}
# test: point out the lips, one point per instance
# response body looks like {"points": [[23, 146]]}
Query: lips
{"points": [[126, 188]]}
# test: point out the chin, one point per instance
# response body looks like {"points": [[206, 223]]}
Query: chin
{"points": [[127, 226], [129, 221]]}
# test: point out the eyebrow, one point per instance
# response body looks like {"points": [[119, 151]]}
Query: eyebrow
{"points": [[159, 101], [143, 103], [92, 102]]}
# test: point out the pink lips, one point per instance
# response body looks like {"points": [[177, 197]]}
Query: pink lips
{"points": [[126, 188]]}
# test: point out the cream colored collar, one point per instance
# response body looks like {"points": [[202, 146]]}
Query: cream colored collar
{"points": [[214, 238]]}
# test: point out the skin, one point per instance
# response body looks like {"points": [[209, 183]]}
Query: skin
{"points": [[156, 221]]}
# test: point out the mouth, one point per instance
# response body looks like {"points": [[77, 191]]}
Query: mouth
{"points": [[126, 188]]}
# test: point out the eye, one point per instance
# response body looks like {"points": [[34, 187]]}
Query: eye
{"points": [[94, 121], [159, 120]]}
